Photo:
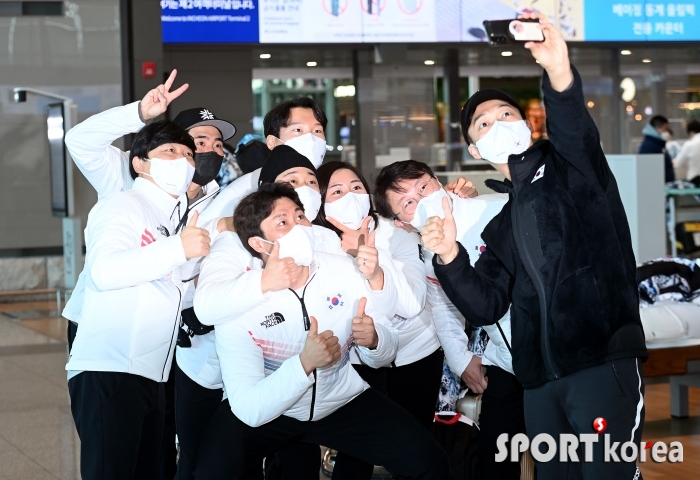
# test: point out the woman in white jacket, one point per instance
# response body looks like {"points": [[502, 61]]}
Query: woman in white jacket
{"points": [[413, 379]]}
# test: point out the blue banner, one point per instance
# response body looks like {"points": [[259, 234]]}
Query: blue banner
{"points": [[210, 21], [607, 20]]}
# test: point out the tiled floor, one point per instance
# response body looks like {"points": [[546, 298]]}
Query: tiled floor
{"points": [[38, 439]]}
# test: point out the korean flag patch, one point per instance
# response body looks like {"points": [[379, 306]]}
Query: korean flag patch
{"points": [[539, 174]]}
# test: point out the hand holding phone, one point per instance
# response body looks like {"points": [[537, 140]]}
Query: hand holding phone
{"points": [[509, 32]]}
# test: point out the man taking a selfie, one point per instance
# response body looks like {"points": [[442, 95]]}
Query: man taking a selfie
{"points": [[561, 252]]}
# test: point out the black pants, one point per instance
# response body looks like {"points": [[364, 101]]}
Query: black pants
{"points": [[168, 451], [414, 387], [370, 427], [194, 407], [613, 391], [501, 412], [119, 418]]}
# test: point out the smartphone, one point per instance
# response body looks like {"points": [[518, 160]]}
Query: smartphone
{"points": [[509, 32]]}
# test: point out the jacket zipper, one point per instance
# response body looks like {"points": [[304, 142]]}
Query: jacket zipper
{"points": [[177, 325], [189, 209], [307, 326], [539, 285]]}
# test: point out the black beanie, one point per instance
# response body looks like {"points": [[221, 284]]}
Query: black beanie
{"points": [[484, 95], [282, 158]]}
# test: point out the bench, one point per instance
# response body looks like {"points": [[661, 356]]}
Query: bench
{"points": [[62, 294], [682, 366]]}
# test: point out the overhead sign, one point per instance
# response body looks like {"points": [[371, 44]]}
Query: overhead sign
{"points": [[418, 21]]}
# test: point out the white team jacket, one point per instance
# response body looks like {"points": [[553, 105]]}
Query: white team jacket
{"points": [[107, 169], [413, 321], [471, 216], [259, 352], [131, 310], [230, 196], [226, 262]]}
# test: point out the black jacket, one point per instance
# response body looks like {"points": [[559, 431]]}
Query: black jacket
{"points": [[658, 145], [560, 251]]}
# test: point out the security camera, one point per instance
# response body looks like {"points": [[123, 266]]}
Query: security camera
{"points": [[20, 96]]}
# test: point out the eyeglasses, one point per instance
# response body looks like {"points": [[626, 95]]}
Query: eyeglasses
{"points": [[425, 189]]}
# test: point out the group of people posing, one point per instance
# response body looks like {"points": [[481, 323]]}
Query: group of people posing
{"points": [[300, 306]]}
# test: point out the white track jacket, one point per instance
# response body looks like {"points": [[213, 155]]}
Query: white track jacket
{"points": [[259, 351], [107, 169], [471, 216], [131, 309]]}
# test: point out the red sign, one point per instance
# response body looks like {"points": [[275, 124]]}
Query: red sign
{"points": [[148, 69]]}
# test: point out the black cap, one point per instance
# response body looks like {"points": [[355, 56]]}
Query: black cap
{"points": [[200, 117], [481, 96], [281, 159]]}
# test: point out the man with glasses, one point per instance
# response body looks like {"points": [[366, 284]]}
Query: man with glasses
{"points": [[409, 193]]}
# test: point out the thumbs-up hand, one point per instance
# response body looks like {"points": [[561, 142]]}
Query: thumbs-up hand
{"points": [[462, 187], [279, 273], [440, 235], [363, 327], [368, 261], [320, 349], [195, 240], [156, 101], [349, 238]]}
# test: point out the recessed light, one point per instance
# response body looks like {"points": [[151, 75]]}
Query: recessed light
{"points": [[591, 104], [311, 64], [646, 60], [506, 54], [265, 55], [638, 117], [429, 62], [626, 52]]}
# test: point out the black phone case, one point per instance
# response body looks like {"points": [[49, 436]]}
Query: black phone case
{"points": [[498, 32]]}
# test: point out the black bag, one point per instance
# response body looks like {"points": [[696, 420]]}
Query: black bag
{"points": [[461, 442], [194, 326]]}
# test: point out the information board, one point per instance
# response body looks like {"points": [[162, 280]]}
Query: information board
{"points": [[418, 21]]}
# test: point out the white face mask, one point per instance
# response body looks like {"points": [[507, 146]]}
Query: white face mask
{"points": [[309, 145], [298, 244], [504, 139], [350, 209], [430, 206], [172, 176], [311, 200], [666, 136]]}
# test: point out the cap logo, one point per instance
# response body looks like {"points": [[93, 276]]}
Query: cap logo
{"points": [[206, 115]]}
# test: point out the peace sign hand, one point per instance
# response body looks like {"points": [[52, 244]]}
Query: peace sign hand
{"points": [[156, 101]]}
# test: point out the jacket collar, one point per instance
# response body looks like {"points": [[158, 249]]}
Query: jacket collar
{"points": [[521, 167], [524, 164], [173, 208]]}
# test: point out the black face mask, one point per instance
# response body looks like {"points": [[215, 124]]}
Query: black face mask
{"points": [[207, 166]]}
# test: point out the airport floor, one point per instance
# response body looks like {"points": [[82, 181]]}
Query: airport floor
{"points": [[38, 439]]}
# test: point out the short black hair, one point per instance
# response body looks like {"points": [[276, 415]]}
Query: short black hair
{"points": [[153, 136], [323, 176], [388, 179], [658, 121], [278, 117], [256, 207], [693, 126]]}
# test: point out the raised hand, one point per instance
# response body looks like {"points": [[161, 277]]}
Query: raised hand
{"points": [[279, 273], [462, 187], [195, 240], [552, 54], [368, 262], [440, 236], [320, 349], [363, 327], [350, 239], [473, 376], [156, 101]]}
